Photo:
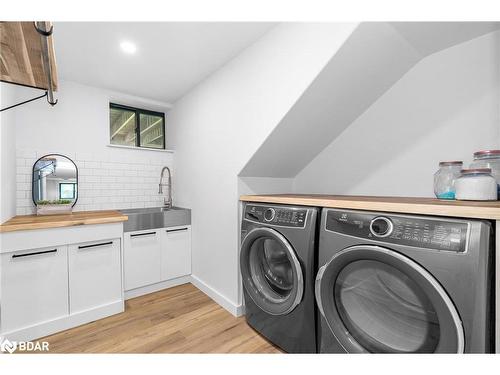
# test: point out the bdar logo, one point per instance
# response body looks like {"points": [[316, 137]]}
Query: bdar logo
{"points": [[7, 346]]}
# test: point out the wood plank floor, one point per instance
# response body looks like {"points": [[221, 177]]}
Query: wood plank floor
{"points": [[176, 320]]}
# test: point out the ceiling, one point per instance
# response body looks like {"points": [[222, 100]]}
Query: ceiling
{"points": [[171, 57]]}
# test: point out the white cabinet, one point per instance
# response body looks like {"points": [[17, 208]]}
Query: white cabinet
{"points": [[156, 259], [34, 287], [175, 252], [73, 277], [94, 274], [142, 258]]}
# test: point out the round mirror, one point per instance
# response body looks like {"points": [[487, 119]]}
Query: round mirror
{"points": [[55, 181]]}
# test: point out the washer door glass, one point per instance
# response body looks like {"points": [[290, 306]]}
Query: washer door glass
{"points": [[385, 310], [271, 271], [377, 300]]}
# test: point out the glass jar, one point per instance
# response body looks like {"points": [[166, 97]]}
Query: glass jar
{"points": [[476, 185], [489, 159], [444, 179]]}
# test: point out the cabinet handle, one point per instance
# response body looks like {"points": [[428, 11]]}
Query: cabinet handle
{"points": [[95, 245], [143, 234], [176, 230], [36, 253]]}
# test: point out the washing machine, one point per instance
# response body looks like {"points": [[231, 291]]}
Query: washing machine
{"points": [[391, 283], [278, 268]]}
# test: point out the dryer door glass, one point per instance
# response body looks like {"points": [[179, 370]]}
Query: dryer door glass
{"points": [[271, 271], [377, 300], [385, 310], [271, 263]]}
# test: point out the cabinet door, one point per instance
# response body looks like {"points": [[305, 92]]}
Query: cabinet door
{"points": [[95, 276], [34, 287], [142, 258], [176, 252]]}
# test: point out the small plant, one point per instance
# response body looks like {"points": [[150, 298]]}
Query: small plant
{"points": [[54, 202]]}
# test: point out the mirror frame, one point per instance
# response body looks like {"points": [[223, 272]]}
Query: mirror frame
{"points": [[33, 171]]}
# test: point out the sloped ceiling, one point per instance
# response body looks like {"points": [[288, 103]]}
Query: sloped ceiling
{"points": [[373, 58], [431, 37]]}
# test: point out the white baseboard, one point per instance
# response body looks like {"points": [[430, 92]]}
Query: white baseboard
{"points": [[156, 287], [236, 310], [65, 322]]}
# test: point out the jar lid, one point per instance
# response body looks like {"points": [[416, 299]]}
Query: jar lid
{"points": [[451, 163], [487, 153], [475, 171]]}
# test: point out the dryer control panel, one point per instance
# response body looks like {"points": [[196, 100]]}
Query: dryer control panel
{"points": [[430, 233], [275, 215]]}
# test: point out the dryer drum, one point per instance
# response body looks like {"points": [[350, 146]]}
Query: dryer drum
{"points": [[271, 272], [378, 300]]}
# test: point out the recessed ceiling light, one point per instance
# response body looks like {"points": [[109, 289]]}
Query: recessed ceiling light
{"points": [[128, 47]]}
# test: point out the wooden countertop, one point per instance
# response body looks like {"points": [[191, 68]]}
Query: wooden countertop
{"points": [[426, 206], [56, 221]]}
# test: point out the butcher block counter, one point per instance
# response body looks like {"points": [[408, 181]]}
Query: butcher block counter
{"points": [[27, 222], [423, 206]]}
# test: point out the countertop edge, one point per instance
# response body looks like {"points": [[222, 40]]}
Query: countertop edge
{"points": [[111, 217]]}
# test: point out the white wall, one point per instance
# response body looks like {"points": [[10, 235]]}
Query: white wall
{"points": [[217, 127], [445, 108], [7, 154], [264, 185], [78, 126]]}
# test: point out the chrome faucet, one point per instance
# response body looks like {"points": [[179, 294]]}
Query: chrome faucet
{"points": [[167, 201]]}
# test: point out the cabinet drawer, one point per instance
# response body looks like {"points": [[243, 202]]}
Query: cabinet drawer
{"points": [[142, 258], [95, 277], [34, 287], [176, 252]]}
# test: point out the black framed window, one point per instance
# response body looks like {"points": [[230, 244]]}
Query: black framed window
{"points": [[67, 190], [135, 127]]}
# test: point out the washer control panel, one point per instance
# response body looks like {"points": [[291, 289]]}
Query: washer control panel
{"points": [[439, 234], [281, 216]]}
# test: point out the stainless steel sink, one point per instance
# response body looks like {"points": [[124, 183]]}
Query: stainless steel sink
{"points": [[155, 217]]}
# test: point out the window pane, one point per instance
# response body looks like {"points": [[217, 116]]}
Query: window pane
{"points": [[151, 128], [122, 127], [67, 191]]}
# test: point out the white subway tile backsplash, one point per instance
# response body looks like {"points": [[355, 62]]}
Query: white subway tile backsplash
{"points": [[116, 172], [107, 165], [22, 178], [24, 170], [105, 179], [84, 172], [24, 202], [21, 153], [92, 179], [84, 156], [130, 173], [85, 200], [105, 182], [24, 186], [92, 164], [100, 172]]}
